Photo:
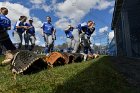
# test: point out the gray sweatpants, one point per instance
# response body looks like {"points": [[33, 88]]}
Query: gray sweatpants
{"points": [[48, 42], [76, 41], [18, 37], [29, 38], [48, 39], [85, 40], [70, 42]]}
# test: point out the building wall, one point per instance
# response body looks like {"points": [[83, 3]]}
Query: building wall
{"points": [[112, 48], [119, 37], [127, 29], [134, 23]]}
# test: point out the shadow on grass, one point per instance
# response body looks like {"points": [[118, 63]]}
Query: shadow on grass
{"points": [[97, 78]]}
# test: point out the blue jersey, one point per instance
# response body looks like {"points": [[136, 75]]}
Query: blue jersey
{"points": [[90, 31], [31, 30], [20, 30], [79, 27], [4, 22], [47, 28], [69, 33], [84, 27]]}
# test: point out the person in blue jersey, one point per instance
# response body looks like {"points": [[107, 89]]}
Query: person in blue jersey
{"points": [[47, 33], [5, 25], [19, 30], [90, 31], [29, 35], [77, 33], [70, 38], [86, 30]]}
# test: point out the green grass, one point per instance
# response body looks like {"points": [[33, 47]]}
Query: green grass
{"points": [[95, 76]]}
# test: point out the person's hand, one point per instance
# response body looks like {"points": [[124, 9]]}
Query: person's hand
{"points": [[69, 26], [35, 38], [72, 37], [13, 34], [54, 38], [83, 32], [91, 26], [30, 27], [25, 27], [8, 28]]}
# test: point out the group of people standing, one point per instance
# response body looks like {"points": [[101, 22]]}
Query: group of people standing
{"points": [[21, 27], [79, 37], [23, 30], [76, 36]]}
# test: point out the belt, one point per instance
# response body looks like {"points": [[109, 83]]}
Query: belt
{"points": [[2, 29], [48, 34], [70, 37]]}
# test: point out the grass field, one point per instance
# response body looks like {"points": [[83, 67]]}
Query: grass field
{"points": [[94, 76]]}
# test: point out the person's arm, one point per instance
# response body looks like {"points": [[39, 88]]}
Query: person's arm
{"points": [[67, 28], [21, 27], [17, 25], [92, 29], [83, 29], [54, 33], [30, 27], [9, 24], [34, 30]]}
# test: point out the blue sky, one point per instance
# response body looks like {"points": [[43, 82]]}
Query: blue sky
{"points": [[63, 12]]}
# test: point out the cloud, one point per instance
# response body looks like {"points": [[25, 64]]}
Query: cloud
{"points": [[45, 7], [111, 35], [62, 23], [104, 29], [41, 4], [37, 23], [111, 10], [97, 44], [42, 44], [38, 41], [62, 37], [112, 7], [37, 1], [72, 11], [72, 14], [103, 4]]}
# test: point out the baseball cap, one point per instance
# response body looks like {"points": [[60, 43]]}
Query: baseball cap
{"points": [[31, 19], [84, 24]]}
